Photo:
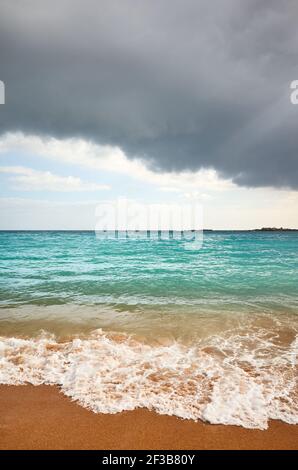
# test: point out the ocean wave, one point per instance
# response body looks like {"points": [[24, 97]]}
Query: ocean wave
{"points": [[240, 377]]}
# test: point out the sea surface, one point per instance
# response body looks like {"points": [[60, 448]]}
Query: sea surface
{"points": [[201, 331]]}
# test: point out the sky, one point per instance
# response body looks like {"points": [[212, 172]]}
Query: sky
{"points": [[165, 102]]}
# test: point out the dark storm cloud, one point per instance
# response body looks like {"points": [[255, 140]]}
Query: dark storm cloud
{"points": [[182, 84]]}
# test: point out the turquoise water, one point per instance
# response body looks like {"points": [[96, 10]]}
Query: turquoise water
{"points": [[231, 269], [227, 309]]}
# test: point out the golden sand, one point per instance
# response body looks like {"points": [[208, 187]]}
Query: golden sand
{"points": [[43, 418]]}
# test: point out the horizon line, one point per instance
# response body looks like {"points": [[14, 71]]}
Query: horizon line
{"points": [[262, 229]]}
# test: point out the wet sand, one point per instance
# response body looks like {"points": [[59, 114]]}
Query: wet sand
{"points": [[43, 418]]}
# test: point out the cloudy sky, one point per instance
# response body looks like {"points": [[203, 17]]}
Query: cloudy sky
{"points": [[163, 101]]}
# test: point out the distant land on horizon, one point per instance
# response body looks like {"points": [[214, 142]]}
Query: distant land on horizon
{"points": [[263, 229]]}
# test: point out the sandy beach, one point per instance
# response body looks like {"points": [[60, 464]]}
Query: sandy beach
{"points": [[43, 418]]}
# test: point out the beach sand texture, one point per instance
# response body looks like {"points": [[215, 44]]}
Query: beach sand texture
{"points": [[43, 418]]}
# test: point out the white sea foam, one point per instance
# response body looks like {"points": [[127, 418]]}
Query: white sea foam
{"points": [[236, 378]]}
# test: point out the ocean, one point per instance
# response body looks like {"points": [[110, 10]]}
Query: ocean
{"points": [[198, 331]]}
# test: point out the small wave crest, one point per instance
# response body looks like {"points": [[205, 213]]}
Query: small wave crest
{"points": [[236, 378]]}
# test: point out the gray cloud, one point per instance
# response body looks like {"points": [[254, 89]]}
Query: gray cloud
{"points": [[182, 84]]}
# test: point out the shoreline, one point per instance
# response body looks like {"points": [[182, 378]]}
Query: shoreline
{"points": [[41, 417]]}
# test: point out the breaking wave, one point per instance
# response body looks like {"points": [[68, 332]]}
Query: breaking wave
{"points": [[239, 377]]}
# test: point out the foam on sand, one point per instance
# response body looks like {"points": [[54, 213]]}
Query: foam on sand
{"points": [[236, 378]]}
